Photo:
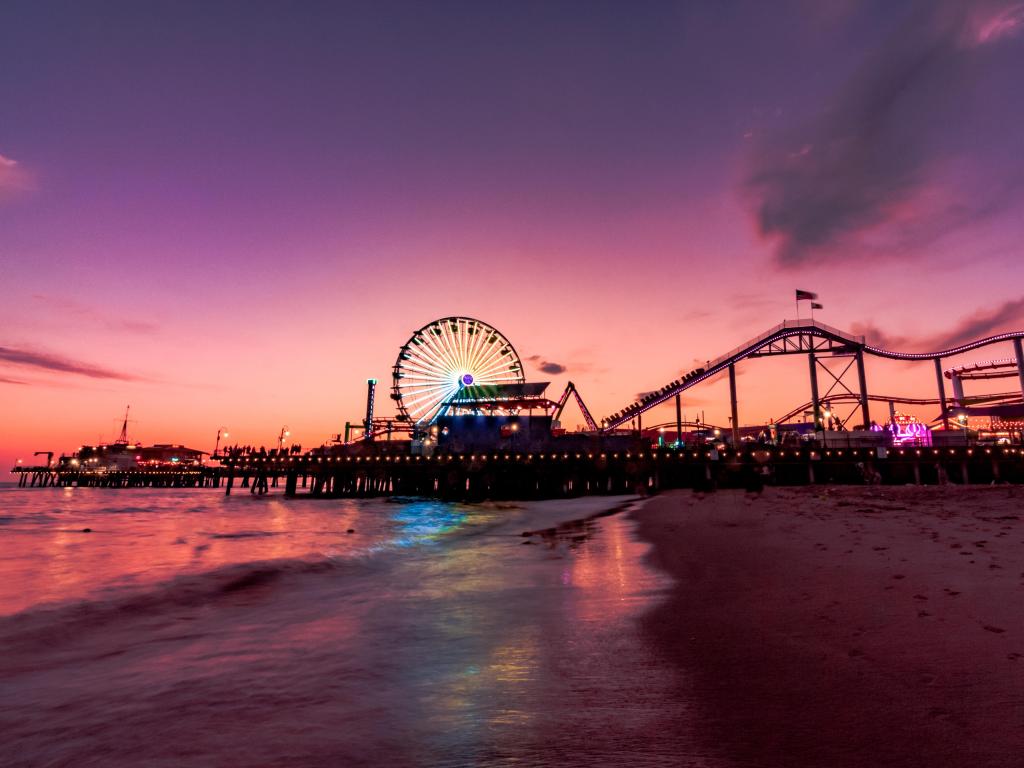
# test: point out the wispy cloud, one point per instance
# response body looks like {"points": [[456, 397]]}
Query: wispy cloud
{"points": [[14, 178], [45, 361], [1008, 316], [858, 175], [84, 313], [876, 337]]}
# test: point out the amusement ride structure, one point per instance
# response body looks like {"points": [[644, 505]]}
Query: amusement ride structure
{"points": [[457, 366], [822, 343], [460, 366], [448, 359], [476, 428]]}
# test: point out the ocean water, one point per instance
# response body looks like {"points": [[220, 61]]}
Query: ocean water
{"points": [[189, 629]]}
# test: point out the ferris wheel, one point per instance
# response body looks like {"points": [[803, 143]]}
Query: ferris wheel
{"points": [[444, 357]]}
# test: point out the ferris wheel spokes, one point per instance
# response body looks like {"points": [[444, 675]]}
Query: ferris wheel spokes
{"points": [[443, 357]]}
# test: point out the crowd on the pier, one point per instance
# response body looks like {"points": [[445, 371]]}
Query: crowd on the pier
{"points": [[262, 452]]}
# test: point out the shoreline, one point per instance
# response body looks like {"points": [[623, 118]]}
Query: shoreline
{"points": [[845, 626]]}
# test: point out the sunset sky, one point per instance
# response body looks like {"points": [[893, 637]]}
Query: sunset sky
{"points": [[233, 213]]}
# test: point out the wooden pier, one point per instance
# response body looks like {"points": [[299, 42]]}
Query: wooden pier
{"points": [[54, 477], [383, 469], [555, 474]]}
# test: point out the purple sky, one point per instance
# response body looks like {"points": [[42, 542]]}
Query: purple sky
{"points": [[236, 212]]}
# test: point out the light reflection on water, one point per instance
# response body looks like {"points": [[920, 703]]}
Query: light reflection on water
{"points": [[420, 522], [438, 635], [139, 538]]}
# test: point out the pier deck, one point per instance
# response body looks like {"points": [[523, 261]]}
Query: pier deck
{"points": [[390, 471], [556, 474]]}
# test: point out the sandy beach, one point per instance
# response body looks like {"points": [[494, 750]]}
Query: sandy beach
{"points": [[847, 626]]}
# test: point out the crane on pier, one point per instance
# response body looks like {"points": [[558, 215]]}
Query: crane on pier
{"points": [[122, 439]]}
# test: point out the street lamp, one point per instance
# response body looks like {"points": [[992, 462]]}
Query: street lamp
{"points": [[221, 432], [962, 421], [281, 437]]}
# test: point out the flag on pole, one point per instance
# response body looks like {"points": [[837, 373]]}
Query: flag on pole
{"points": [[805, 295], [815, 305]]}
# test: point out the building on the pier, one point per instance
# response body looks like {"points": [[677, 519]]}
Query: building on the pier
{"points": [[121, 456]]}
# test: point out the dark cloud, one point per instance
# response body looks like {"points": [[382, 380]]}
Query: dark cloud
{"points": [[546, 366], [856, 174], [1008, 316], [876, 337], [47, 362], [5, 380]]}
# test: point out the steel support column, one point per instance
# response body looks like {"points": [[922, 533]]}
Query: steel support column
{"points": [[734, 406], [958, 389], [863, 381], [815, 403], [942, 392], [679, 419], [371, 386], [1019, 353]]}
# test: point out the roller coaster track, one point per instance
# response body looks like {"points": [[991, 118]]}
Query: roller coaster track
{"points": [[845, 397], [990, 369], [791, 337]]}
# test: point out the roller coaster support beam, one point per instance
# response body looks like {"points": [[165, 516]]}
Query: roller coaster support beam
{"points": [[733, 404], [958, 388], [815, 402], [679, 419], [1019, 353], [863, 381], [942, 392]]}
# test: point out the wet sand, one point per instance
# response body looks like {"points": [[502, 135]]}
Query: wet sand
{"points": [[847, 626]]}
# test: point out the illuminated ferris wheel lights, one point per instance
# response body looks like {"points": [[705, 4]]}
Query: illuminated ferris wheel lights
{"points": [[445, 356]]}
